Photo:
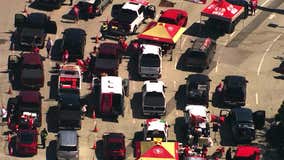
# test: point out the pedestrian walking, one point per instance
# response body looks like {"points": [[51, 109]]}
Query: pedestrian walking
{"points": [[253, 6], [65, 56], [4, 114], [76, 13], [229, 154], [48, 46], [84, 110], [43, 136]]}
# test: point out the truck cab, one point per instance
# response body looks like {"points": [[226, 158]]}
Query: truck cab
{"points": [[155, 129], [153, 98], [111, 91], [26, 105], [27, 69], [150, 61], [108, 54], [69, 79], [26, 142], [33, 28]]}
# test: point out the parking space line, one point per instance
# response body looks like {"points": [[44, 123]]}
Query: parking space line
{"points": [[271, 16], [183, 41], [256, 98], [263, 4], [265, 53], [175, 84], [232, 34], [176, 60], [216, 68]]}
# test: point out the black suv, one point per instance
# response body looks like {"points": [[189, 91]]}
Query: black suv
{"points": [[242, 124], [201, 54], [32, 29], [197, 89], [234, 90], [74, 40], [69, 111]]}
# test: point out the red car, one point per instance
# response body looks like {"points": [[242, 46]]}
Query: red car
{"points": [[174, 16], [114, 146], [26, 142], [247, 153]]}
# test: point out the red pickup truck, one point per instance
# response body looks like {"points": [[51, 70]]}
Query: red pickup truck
{"points": [[174, 16], [26, 142]]}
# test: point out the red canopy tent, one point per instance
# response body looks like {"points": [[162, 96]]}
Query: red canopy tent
{"points": [[222, 10]]}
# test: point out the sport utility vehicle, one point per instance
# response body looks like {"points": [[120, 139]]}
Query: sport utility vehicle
{"points": [[67, 145], [201, 54]]}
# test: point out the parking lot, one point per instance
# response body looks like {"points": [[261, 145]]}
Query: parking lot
{"points": [[253, 51]]}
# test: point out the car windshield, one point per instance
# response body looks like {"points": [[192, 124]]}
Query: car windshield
{"points": [[127, 16], [154, 99], [156, 134], [31, 66], [167, 20], [195, 54], [68, 148], [150, 60], [27, 138]]}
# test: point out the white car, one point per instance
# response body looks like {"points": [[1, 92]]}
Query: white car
{"points": [[155, 129]]}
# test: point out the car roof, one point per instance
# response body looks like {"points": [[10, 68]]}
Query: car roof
{"points": [[235, 80], [74, 32], [111, 84], [113, 135], [132, 6], [151, 49], [108, 48], [70, 99], [30, 97], [155, 124], [173, 13], [69, 115], [37, 19], [67, 138], [242, 114], [31, 58], [154, 86], [201, 78]]}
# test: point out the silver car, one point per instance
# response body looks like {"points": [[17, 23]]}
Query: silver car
{"points": [[67, 145]]}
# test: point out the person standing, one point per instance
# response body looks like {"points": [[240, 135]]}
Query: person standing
{"points": [[76, 13], [48, 46], [229, 154], [43, 136], [84, 110], [65, 56], [253, 6]]}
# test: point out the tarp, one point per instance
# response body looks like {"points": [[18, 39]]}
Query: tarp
{"points": [[222, 10], [146, 150], [162, 32]]}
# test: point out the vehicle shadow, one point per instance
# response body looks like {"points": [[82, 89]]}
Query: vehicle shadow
{"points": [[204, 30], [53, 87], [138, 136], [51, 150], [180, 97], [179, 130], [99, 149], [226, 134], [280, 68], [56, 50], [52, 119], [136, 105], [274, 10]]}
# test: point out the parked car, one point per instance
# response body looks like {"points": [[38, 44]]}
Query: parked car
{"points": [[111, 91], [150, 61], [27, 70], [153, 98], [98, 7], [201, 54], [26, 104], [74, 40], [234, 90], [197, 89], [127, 17], [107, 54], [174, 16], [31, 30], [243, 123], [26, 142], [114, 146], [51, 4], [67, 145]]}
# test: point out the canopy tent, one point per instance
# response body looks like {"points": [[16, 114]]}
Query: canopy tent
{"points": [[162, 32], [150, 150], [222, 10]]}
